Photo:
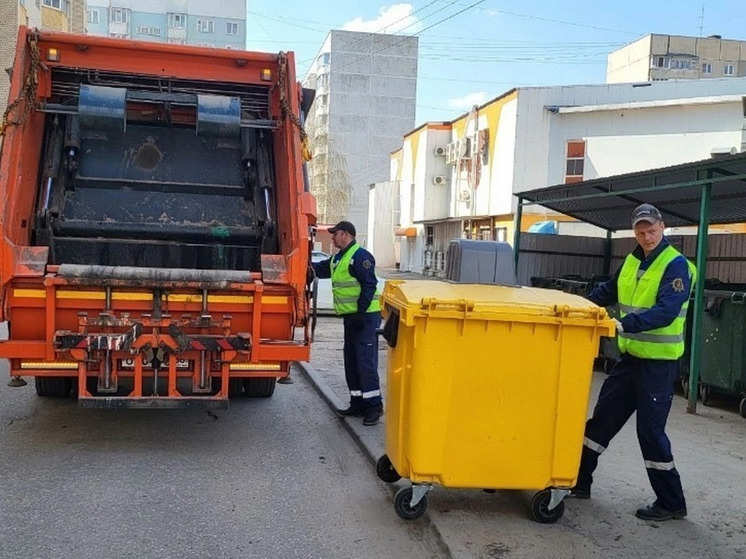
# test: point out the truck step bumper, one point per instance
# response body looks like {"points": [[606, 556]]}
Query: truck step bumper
{"points": [[152, 402]]}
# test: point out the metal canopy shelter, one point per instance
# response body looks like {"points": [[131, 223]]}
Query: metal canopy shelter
{"points": [[699, 193]]}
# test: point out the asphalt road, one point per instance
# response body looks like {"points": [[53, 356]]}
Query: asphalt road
{"points": [[275, 477]]}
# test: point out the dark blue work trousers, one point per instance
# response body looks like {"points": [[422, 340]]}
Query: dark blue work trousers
{"points": [[361, 361], [644, 386]]}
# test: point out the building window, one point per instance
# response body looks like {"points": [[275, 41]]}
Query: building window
{"points": [[501, 234], [660, 62], [681, 64], [728, 70], [231, 28], [205, 26], [119, 15], [325, 58], [176, 21], [429, 236], [575, 161], [56, 4], [706, 68], [93, 17], [174, 41], [151, 31]]}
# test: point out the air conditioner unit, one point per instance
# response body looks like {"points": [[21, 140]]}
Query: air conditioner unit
{"points": [[464, 195], [439, 179], [465, 148], [451, 155], [441, 150]]}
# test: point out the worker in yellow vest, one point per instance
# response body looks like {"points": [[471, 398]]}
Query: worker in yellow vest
{"points": [[356, 299], [652, 291]]}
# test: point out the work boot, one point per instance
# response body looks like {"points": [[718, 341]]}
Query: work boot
{"points": [[580, 493], [657, 512], [351, 411], [373, 414]]}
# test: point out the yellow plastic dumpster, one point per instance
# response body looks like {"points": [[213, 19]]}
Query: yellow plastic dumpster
{"points": [[488, 387]]}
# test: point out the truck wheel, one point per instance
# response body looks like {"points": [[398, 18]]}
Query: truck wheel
{"points": [[386, 471], [53, 387], [540, 508], [259, 387], [235, 386]]}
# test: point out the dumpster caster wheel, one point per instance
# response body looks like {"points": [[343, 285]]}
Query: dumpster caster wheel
{"points": [[540, 508], [402, 501], [704, 393], [386, 471], [742, 408]]}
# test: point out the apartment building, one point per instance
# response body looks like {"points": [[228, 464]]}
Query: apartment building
{"points": [[365, 85], [207, 23], [674, 57]]}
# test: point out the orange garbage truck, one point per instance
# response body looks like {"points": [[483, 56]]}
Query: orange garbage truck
{"points": [[156, 224]]}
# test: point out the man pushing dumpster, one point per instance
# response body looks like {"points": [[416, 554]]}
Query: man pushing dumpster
{"points": [[652, 290]]}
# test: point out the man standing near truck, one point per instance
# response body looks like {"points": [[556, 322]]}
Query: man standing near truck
{"points": [[652, 289], [355, 294]]}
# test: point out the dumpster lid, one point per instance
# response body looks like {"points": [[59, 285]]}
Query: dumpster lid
{"points": [[423, 297]]}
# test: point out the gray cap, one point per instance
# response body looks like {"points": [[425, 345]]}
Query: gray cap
{"points": [[646, 212]]}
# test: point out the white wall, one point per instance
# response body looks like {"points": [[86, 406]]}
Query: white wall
{"points": [[647, 138], [628, 139], [381, 242], [501, 166], [630, 63]]}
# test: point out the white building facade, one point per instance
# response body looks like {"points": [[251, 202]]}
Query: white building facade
{"points": [[366, 84], [459, 179], [675, 57]]}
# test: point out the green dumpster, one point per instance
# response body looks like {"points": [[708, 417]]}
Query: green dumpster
{"points": [[723, 346]]}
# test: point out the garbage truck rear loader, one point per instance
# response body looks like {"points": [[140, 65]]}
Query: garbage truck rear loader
{"points": [[155, 233]]}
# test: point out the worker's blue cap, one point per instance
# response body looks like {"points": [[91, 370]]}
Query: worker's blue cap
{"points": [[343, 226], [646, 212]]}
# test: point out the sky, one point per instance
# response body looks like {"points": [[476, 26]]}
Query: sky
{"points": [[471, 51]]}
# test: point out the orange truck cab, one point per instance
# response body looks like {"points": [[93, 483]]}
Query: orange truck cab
{"points": [[157, 223]]}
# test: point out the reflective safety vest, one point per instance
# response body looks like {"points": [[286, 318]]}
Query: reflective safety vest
{"points": [[637, 291], [346, 289]]}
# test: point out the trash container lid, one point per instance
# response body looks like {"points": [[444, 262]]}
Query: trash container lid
{"points": [[490, 302]]}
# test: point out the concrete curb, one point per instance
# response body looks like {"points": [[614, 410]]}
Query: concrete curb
{"points": [[368, 439], [371, 442]]}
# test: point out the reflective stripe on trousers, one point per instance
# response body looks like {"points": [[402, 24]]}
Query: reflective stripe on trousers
{"points": [[664, 466], [594, 446]]}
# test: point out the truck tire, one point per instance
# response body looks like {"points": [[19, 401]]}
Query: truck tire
{"points": [[235, 386], [53, 387], [259, 387]]}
